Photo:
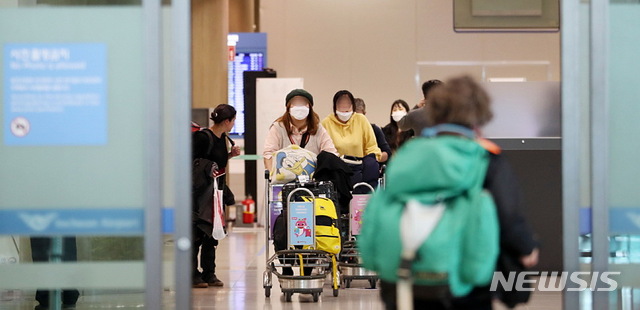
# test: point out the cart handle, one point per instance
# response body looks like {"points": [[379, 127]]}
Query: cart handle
{"points": [[313, 197], [364, 184]]}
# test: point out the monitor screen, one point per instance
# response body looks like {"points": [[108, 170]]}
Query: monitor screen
{"points": [[242, 62]]}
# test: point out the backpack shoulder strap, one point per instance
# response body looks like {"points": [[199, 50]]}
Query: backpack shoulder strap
{"points": [[417, 222], [210, 135], [233, 143], [304, 140]]}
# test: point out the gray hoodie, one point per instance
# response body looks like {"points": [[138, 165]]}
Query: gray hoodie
{"points": [[416, 119]]}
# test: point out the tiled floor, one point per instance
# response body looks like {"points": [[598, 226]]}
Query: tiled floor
{"points": [[241, 262]]}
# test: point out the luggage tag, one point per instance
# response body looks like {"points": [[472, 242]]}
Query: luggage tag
{"points": [[303, 178]]}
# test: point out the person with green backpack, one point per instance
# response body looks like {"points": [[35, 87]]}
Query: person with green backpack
{"points": [[434, 233]]}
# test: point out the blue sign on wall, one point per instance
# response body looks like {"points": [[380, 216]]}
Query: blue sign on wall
{"points": [[55, 94]]}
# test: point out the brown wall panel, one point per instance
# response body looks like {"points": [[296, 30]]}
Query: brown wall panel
{"points": [[241, 16], [209, 28]]}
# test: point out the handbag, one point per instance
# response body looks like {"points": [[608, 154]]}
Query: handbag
{"points": [[291, 162], [218, 232]]}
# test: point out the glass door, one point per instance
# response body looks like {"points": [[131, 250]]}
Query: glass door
{"points": [[624, 198], [600, 104], [81, 172]]}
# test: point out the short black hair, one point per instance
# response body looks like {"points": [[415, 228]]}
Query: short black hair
{"points": [[401, 103], [428, 85], [341, 93]]}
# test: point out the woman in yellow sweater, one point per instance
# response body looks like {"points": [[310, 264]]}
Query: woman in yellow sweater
{"points": [[354, 139]]}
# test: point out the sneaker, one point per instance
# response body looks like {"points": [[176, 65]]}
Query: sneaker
{"points": [[199, 284], [214, 281]]}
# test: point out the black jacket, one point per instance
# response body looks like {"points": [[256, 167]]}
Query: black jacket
{"points": [[202, 194], [332, 168], [391, 135], [207, 145], [383, 144], [207, 149], [516, 237]]}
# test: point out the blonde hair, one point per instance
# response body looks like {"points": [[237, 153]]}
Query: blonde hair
{"points": [[459, 101]]}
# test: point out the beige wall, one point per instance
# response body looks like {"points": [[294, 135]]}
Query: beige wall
{"points": [[374, 47]]}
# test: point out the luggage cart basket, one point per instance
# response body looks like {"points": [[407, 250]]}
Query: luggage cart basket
{"points": [[351, 269], [303, 284]]}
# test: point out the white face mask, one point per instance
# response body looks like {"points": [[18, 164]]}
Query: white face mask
{"points": [[299, 113], [344, 116], [398, 115]]}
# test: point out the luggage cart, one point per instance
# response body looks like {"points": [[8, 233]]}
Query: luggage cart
{"points": [[322, 189], [301, 232], [350, 266]]}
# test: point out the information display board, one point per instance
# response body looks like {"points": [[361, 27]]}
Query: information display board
{"points": [[247, 52], [241, 63]]}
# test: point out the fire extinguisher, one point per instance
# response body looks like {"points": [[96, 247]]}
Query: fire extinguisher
{"points": [[249, 207]]}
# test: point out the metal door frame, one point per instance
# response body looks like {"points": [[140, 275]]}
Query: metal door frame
{"points": [[571, 141], [179, 116]]}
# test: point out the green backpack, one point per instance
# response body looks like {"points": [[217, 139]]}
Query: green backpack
{"points": [[441, 179]]}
